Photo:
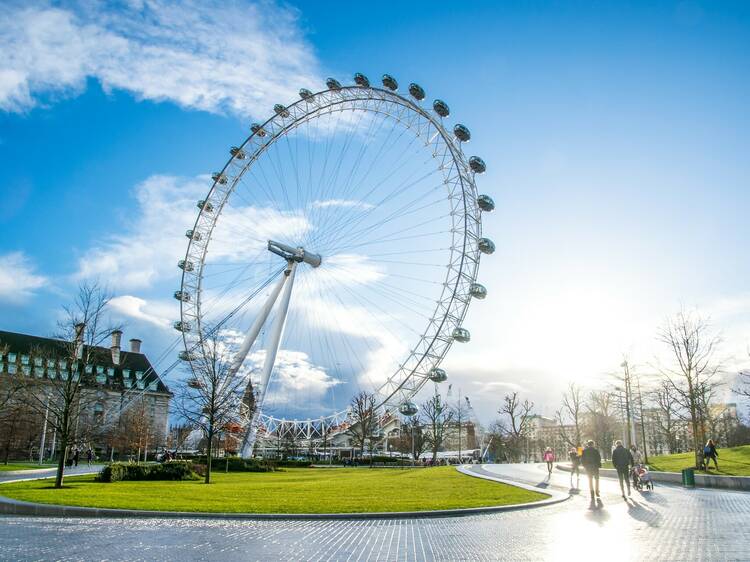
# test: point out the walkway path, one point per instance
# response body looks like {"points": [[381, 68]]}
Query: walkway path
{"points": [[667, 524], [34, 474]]}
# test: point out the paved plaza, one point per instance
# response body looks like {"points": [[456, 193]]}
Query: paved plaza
{"points": [[669, 523]]}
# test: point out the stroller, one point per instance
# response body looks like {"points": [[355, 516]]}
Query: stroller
{"points": [[642, 478]]}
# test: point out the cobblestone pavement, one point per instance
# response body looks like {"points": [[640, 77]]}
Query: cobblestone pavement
{"points": [[667, 524]]}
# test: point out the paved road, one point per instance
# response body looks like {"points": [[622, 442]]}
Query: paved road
{"points": [[46, 472], [667, 524]]}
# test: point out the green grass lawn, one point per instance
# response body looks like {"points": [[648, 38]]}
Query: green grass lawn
{"points": [[24, 466], [732, 462], [305, 490]]}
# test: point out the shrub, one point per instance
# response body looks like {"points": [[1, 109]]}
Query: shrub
{"points": [[173, 470], [237, 464], [294, 464]]}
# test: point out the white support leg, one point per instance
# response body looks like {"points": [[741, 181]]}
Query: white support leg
{"points": [[273, 347], [255, 329]]}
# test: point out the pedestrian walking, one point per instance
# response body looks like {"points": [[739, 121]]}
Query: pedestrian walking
{"points": [[89, 456], [622, 460], [575, 463], [637, 455], [549, 458], [76, 456], [591, 460], [710, 452]]}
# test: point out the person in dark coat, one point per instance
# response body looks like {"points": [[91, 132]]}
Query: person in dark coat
{"points": [[76, 456], [622, 459], [591, 460], [710, 452]]}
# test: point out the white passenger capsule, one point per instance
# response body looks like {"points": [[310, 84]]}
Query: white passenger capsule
{"points": [[461, 335]]}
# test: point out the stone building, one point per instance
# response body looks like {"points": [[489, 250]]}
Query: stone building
{"points": [[116, 384]]}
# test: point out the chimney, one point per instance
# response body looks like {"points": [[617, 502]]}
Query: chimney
{"points": [[135, 346], [80, 327], [116, 337]]}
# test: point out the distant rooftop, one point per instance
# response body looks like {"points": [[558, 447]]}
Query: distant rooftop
{"points": [[46, 358]]}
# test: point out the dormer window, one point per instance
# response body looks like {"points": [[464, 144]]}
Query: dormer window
{"points": [[139, 375]]}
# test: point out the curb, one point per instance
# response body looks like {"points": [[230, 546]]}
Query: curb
{"points": [[10, 506]]}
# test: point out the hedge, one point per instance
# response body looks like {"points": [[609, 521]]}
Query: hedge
{"points": [[172, 470]]}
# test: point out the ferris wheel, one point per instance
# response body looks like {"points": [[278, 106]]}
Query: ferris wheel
{"points": [[337, 250]]}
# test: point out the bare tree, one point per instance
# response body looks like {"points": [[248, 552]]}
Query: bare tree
{"points": [[135, 430], [412, 438], [515, 423], [212, 397], [693, 347], [438, 419], [667, 417], [364, 420], [571, 410], [743, 380], [84, 327], [602, 423]]}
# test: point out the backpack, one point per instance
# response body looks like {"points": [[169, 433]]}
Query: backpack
{"points": [[706, 450]]}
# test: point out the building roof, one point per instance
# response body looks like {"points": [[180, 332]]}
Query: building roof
{"points": [[44, 358]]}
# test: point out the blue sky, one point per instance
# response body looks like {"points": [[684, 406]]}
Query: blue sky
{"points": [[615, 135]]}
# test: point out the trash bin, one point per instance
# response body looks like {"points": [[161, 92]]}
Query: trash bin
{"points": [[688, 477]]}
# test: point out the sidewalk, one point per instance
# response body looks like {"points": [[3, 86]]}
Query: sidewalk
{"points": [[36, 474], [741, 483]]}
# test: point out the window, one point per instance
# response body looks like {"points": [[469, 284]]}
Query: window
{"points": [[89, 369], [62, 363], [12, 368], [152, 386], [139, 375], [24, 359], [98, 413], [111, 372], [101, 379], [11, 358], [37, 361], [51, 373], [64, 375], [26, 370], [100, 369]]}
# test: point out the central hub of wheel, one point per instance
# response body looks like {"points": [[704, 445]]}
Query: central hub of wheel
{"points": [[298, 254]]}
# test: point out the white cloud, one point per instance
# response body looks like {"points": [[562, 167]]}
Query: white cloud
{"points": [[158, 314], [293, 373], [322, 204], [147, 249], [18, 278], [237, 57]]}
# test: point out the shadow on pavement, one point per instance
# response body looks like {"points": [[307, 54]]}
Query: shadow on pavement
{"points": [[652, 497], [597, 513], [641, 512]]}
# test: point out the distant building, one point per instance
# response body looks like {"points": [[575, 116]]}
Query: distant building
{"points": [[112, 382]]}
